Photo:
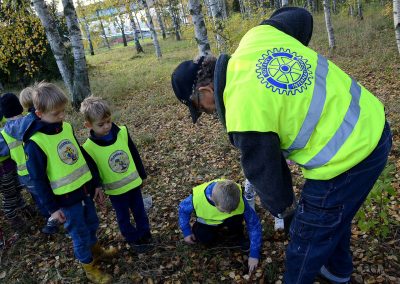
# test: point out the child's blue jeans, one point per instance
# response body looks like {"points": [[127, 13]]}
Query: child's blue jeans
{"points": [[321, 229], [25, 180], [82, 223], [123, 205]]}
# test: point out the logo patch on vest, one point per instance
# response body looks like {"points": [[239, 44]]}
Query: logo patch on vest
{"points": [[67, 152], [284, 71], [119, 161]]}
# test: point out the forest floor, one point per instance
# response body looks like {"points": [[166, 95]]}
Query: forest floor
{"points": [[179, 155]]}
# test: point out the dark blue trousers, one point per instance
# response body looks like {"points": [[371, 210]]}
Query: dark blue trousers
{"points": [[124, 205], [321, 229]]}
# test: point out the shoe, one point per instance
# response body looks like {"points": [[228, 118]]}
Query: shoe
{"points": [[143, 244], [51, 226], [94, 274], [333, 279], [101, 254]]}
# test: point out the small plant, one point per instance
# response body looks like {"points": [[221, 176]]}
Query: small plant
{"points": [[374, 214]]}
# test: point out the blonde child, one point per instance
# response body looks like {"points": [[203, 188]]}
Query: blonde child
{"points": [[62, 177], [217, 204], [121, 170]]}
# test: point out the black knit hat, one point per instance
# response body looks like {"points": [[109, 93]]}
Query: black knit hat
{"points": [[10, 105], [294, 21]]}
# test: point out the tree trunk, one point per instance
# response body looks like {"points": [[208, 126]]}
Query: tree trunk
{"points": [[334, 4], [138, 47], [103, 31], [207, 4], [351, 10], [151, 26], [87, 31], [218, 25], [285, 3], [223, 9], [359, 10], [175, 18], [138, 24], [56, 43], [183, 13], [123, 34], [396, 17], [160, 22], [200, 30], [81, 87], [329, 27]]}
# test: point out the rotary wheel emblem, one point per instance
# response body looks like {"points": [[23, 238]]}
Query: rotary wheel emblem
{"points": [[284, 71]]}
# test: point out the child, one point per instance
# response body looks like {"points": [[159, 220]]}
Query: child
{"points": [[220, 203], [62, 177], [10, 186], [120, 168], [13, 135]]}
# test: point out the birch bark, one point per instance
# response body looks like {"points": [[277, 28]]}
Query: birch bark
{"points": [[151, 27], [396, 17], [200, 30], [328, 22]]}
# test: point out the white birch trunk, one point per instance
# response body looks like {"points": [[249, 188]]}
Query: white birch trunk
{"points": [[223, 9], [285, 3], [329, 27], [151, 27], [396, 17], [160, 22], [102, 29], [359, 10], [200, 30], [56, 44], [207, 4], [138, 46], [218, 25], [175, 18], [81, 87]]}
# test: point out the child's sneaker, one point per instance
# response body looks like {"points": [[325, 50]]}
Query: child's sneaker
{"points": [[51, 226], [143, 244]]}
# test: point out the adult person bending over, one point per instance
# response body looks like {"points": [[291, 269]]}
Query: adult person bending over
{"points": [[279, 99]]}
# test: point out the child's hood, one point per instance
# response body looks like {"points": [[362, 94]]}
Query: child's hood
{"points": [[45, 127], [16, 128]]}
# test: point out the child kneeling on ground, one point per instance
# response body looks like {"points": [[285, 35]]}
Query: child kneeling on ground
{"points": [[217, 204], [121, 171]]}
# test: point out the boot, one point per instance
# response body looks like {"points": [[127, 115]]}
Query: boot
{"points": [[95, 275], [101, 254]]}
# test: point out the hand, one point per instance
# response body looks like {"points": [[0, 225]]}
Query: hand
{"points": [[253, 262], [191, 239], [59, 215], [99, 197]]}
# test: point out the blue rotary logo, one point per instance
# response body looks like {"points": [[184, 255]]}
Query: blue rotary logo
{"points": [[284, 71]]}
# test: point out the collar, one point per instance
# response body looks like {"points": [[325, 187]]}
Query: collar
{"points": [[219, 85]]}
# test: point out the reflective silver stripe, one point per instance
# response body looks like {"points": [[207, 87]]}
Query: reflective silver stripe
{"points": [[21, 167], [69, 178], [343, 132], [201, 220], [14, 144], [122, 182], [315, 109]]}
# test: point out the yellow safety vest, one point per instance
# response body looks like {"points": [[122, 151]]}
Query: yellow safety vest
{"points": [[208, 212], [115, 163], [17, 153], [66, 167], [326, 121]]}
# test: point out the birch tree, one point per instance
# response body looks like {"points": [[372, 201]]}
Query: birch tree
{"points": [[396, 17], [173, 9], [285, 3], [218, 25], [160, 19], [56, 43], [359, 10], [200, 30], [103, 31], [86, 27], [328, 22], [81, 87], [128, 9], [151, 27]]}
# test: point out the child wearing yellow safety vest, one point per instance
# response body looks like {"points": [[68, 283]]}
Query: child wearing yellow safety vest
{"points": [[217, 204], [10, 186], [62, 177], [13, 133], [121, 171]]}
